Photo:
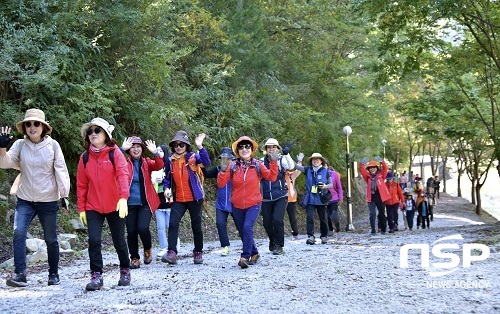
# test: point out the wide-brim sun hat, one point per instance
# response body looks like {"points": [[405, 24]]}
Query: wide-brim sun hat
{"points": [[33, 115], [100, 122], [371, 163], [234, 146], [316, 155], [180, 136], [271, 142]]}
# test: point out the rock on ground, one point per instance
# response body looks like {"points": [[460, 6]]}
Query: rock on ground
{"points": [[356, 274]]}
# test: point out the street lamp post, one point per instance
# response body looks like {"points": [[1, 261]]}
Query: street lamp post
{"points": [[347, 131], [384, 142]]}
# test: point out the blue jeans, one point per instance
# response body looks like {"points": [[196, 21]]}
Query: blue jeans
{"points": [[245, 220], [47, 214], [137, 222], [221, 217], [162, 221], [176, 213], [95, 222], [273, 216]]}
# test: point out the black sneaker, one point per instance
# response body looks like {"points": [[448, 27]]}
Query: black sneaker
{"points": [[96, 282], [53, 279], [278, 250], [18, 281], [124, 277], [310, 240]]}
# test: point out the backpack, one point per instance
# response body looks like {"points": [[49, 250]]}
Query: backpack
{"points": [[111, 153], [256, 164]]}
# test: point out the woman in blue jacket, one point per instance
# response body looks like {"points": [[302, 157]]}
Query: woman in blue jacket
{"points": [[317, 178]]}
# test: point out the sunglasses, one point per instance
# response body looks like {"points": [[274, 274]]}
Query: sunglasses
{"points": [[36, 124], [96, 130], [245, 146], [181, 145]]}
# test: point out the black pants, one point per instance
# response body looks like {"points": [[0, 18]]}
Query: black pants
{"points": [[273, 216], [392, 216], [333, 216], [137, 221], [323, 226], [176, 213], [374, 205], [95, 222], [291, 209]]}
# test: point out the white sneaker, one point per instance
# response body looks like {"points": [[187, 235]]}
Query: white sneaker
{"points": [[162, 252], [225, 251]]}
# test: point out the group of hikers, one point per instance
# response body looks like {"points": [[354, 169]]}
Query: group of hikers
{"points": [[121, 185]]}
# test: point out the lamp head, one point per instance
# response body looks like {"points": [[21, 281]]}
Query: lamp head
{"points": [[347, 130]]}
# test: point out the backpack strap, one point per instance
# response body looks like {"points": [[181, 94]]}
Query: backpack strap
{"points": [[85, 157]]}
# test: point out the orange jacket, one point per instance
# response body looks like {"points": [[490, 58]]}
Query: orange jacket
{"points": [[380, 178], [245, 191], [396, 194]]}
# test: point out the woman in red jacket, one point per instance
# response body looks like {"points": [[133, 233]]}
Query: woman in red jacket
{"points": [[102, 183], [394, 203], [246, 173], [376, 190], [143, 200]]}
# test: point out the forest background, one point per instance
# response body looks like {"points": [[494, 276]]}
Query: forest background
{"points": [[420, 76]]}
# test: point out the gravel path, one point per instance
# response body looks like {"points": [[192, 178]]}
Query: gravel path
{"points": [[357, 274]]}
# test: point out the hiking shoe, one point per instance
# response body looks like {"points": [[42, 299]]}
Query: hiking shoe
{"points": [[18, 281], [170, 257], [225, 251], [161, 253], [271, 246], [135, 263], [382, 233], [148, 256], [124, 277], [391, 231], [96, 282], [243, 263], [254, 259], [53, 279], [324, 240], [310, 240], [197, 257], [278, 250]]}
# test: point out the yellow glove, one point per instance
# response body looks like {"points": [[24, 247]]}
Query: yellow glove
{"points": [[122, 208], [83, 218]]}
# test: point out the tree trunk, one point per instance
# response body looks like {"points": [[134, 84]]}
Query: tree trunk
{"points": [[478, 198]]}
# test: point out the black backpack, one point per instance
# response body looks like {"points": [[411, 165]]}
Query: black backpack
{"points": [[85, 157]]}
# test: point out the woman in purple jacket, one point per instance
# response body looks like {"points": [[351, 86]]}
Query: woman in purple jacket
{"points": [[332, 213], [183, 187]]}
